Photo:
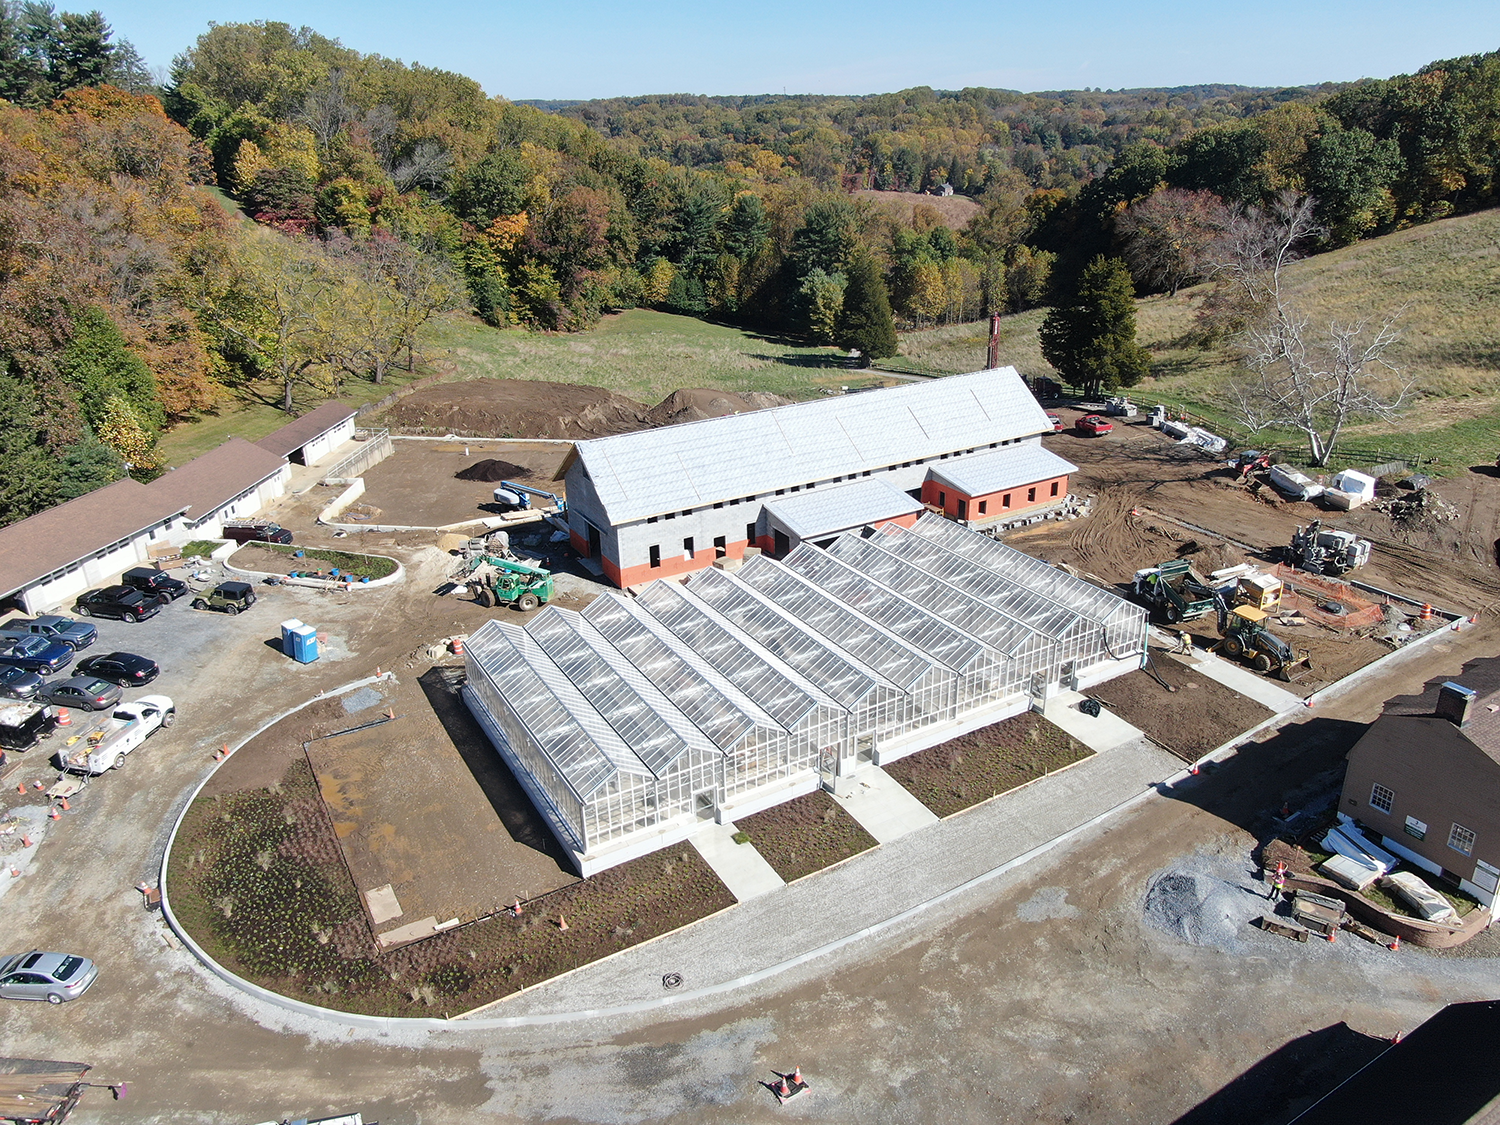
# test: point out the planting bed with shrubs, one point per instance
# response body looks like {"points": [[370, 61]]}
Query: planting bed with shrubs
{"points": [[986, 762], [805, 835]]}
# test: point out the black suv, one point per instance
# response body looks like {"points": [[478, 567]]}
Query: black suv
{"points": [[118, 601], [259, 531], [148, 580]]}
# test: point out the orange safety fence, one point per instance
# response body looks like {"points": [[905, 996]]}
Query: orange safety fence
{"points": [[1307, 594]]}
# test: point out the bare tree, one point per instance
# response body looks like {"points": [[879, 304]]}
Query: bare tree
{"points": [[1169, 237], [1312, 382]]}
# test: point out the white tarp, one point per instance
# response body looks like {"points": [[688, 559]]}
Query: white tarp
{"points": [[1353, 846], [1422, 898], [1349, 872], [1289, 482], [1355, 483], [1351, 832]]}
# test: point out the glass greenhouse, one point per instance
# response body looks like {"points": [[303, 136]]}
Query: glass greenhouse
{"points": [[631, 722]]}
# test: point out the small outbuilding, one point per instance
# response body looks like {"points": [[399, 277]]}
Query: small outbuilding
{"points": [[234, 481], [313, 436], [1425, 779]]}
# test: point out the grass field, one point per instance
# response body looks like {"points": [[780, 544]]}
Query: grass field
{"points": [[1446, 275]]}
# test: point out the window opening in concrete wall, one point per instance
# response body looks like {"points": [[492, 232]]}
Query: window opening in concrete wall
{"points": [[963, 509], [1005, 500], [687, 547], [721, 546], [983, 506], [1054, 488], [750, 533], [1030, 495]]}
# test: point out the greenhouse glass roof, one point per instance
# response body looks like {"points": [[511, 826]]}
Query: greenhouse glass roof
{"points": [[777, 689], [996, 629], [585, 749], [842, 678], [718, 708], [857, 634], [948, 646]]}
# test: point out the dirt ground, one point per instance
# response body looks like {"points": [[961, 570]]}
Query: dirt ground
{"points": [[520, 408], [415, 486], [1449, 563], [422, 804], [1199, 716]]}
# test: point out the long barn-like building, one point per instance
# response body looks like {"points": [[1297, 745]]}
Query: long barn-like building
{"points": [[632, 722], [663, 502]]}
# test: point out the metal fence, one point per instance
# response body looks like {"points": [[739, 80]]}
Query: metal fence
{"points": [[374, 447]]}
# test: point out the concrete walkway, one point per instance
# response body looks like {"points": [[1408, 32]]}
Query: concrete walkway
{"points": [[741, 868], [1239, 679], [1102, 734], [845, 901], [883, 808]]}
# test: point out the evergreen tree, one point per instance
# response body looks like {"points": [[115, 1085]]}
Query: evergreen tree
{"points": [[86, 465], [98, 364], [865, 323], [28, 472], [1091, 339]]}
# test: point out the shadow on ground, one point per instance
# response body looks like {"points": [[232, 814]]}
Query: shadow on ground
{"points": [[1300, 765], [1288, 1080], [504, 793]]}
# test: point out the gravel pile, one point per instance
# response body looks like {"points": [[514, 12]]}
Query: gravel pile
{"points": [[1201, 909], [361, 700]]}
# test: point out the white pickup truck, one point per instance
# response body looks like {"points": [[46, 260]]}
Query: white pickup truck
{"points": [[128, 725]]}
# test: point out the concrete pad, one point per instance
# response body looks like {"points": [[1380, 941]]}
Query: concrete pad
{"points": [[1242, 680], [1107, 732], [383, 904], [743, 870], [883, 809], [422, 927]]}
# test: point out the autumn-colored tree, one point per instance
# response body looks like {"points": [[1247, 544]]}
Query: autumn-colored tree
{"points": [[1169, 236]]}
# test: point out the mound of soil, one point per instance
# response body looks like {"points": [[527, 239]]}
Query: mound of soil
{"points": [[523, 408], [491, 470]]}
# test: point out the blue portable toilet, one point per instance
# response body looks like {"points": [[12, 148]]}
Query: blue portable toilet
{"points": [[287, 629], [304, 644]]}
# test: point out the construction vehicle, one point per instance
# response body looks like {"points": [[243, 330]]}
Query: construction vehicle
{"points": [[496, 581], [1326, 551], [1246, 638], [1175, 588], [519, 496]]}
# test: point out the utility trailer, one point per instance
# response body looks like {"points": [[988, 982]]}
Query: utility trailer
{"points": [[1176, 589]]}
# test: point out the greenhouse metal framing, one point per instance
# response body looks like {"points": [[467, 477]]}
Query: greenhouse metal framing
{"points": [[632, 722]]}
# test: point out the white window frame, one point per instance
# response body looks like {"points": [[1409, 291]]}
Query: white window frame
{"points": [[1457, 834], [1376, 791]]}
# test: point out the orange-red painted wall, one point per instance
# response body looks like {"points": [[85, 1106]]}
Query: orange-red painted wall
{"points": [[994, 501]]}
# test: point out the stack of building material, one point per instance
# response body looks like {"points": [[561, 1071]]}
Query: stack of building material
{"points": [[1356, 863], [1421, 897]]}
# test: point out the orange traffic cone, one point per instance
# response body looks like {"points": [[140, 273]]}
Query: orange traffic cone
{"points": [[65, 804], [26, 841], [796, 1076], [562, 923], [784, 1090], [21, 788], [1194, 769], [1395, 946], [516, 909], [38, 785], [1332, 936], [15, 872], [53, 814]]}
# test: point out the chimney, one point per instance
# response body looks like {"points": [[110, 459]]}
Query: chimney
{"points": [[992, 360], [1454, 702]]}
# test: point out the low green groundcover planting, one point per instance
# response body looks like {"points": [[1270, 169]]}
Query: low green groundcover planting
{"points": [[361, 566], [805, 835], [258, 880], [200, 548], [986, 762]]}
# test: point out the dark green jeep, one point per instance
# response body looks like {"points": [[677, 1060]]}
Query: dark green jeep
{"points": [[231, 597]]}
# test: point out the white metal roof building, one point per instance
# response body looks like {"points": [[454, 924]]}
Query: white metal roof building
{"points": [[657, 503], [631, 722]]}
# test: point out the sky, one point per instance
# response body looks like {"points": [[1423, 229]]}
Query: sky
{"points": [[591, 49]]}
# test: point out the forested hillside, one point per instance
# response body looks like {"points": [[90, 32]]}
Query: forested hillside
{"points": [[384, 194]]}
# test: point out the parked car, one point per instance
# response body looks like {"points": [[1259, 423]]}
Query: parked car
{"points": [[149, 580], [18, 683], [118, 601], [53, 977], [123, 668], [35, 654], [75, 634], [87, 693], [1093, 425], [231, 597], [1057, 423], [257, 531]]}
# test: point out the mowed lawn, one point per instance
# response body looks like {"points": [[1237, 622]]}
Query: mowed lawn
{"points": [[1445, 276], [641, 353]]}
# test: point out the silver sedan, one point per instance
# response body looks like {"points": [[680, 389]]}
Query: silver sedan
{"points": [[53, 977]]}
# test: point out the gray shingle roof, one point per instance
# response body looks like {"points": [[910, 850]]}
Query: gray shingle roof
{"points": [[672, 468], [998, 469], [840, 507]]}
